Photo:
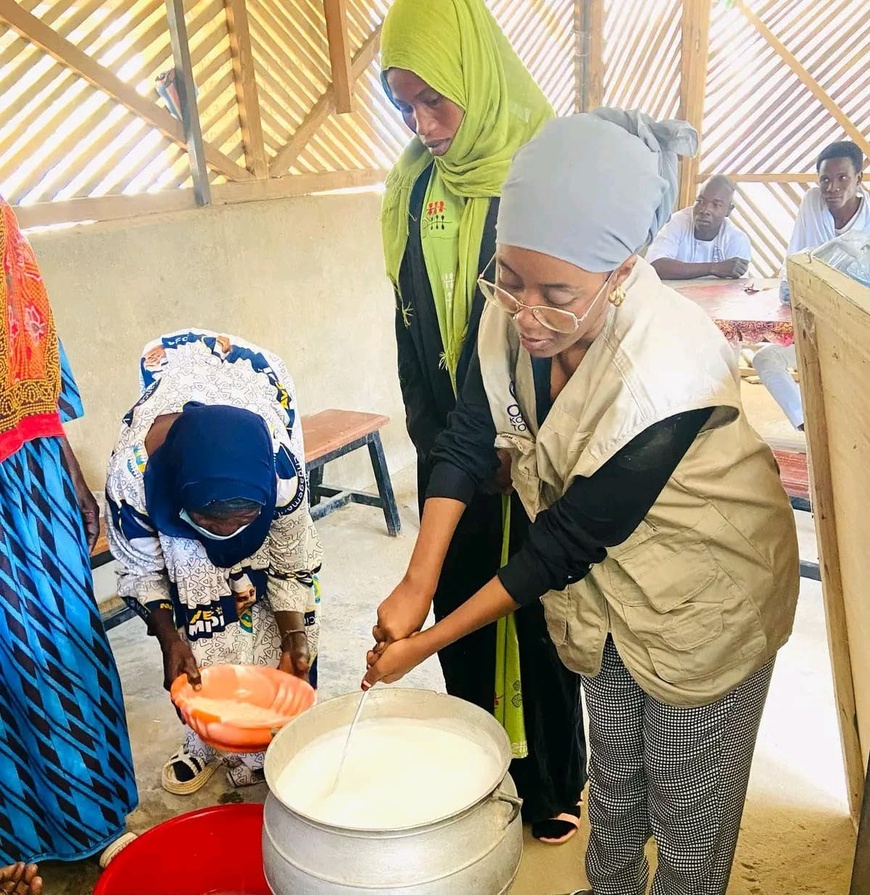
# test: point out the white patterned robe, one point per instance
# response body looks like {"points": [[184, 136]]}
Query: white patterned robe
{"points": [[227, 615]]}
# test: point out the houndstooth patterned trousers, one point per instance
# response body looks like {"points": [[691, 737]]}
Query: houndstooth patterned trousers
{"points": [[676, 773]]}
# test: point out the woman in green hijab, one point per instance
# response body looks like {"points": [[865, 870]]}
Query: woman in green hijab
{"points": [[471, 104]]}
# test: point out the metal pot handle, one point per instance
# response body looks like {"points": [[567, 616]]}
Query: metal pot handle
{"points": [[513, 801]]}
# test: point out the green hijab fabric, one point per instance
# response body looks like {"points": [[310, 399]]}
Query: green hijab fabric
{"points": [[457, 48]]}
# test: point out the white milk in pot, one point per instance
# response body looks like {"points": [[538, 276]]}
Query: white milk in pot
{"points": [[399, 773], [423, 805]]}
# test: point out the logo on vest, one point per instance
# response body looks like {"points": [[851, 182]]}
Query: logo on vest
{"points": [[515, 415]]}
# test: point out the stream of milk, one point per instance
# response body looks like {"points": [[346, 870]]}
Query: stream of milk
{"points": [[399, 773]]}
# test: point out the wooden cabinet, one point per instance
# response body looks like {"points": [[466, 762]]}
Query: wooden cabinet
{"points": [[832, 330]]}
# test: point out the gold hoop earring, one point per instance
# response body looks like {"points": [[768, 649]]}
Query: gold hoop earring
{"points": [[617, 296]]}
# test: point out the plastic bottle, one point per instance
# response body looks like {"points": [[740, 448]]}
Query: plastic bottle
{"points": [[849, 253]]}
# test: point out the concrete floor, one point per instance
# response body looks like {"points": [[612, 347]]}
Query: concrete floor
{"points": [[796, 833]]}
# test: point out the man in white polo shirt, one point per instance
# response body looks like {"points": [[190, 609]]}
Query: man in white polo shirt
{"points": [[701, 241], [834, 207]]}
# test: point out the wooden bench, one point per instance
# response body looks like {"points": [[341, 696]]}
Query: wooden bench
{"points": [[100, 555], [117, 612], [795, 475], [331, 434]]}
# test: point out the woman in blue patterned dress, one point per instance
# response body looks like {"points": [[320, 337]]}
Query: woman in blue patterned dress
{"points": [[66, 772]]}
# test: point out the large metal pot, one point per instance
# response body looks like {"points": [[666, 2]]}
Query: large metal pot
{"points": [[475, 851]]}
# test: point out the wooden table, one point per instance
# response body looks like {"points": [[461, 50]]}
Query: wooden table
{"points": [[751, 317], [741, 315]]}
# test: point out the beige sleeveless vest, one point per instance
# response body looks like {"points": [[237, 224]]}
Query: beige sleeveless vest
{"points": [[703, 593]]}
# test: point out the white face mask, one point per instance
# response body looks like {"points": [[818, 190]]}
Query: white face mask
{"points": [[183, 515]]}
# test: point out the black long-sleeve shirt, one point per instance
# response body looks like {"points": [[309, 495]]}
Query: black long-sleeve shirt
{"points": [[595, 513], [426, 388]]}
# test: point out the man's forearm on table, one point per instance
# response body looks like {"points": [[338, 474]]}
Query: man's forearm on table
{"points": [[671, 269]]}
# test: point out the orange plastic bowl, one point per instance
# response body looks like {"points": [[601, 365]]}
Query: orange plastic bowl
{"points": [[235, 693]]}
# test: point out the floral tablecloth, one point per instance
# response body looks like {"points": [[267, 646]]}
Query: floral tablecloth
{"points": [[745, 311]]}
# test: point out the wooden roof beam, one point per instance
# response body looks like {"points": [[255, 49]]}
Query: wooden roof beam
{"points": [[805, 77], [339, 54], [70, 56], [186, 87], [323, 108], [754, 177], [246, 88], [589, 61], [694, 56], [119, 207]]}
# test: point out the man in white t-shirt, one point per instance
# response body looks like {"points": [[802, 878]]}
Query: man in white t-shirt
{"points": [[838, 204], [701, 241]]}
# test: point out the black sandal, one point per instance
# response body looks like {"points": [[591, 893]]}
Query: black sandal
{"points": [[560, 829]]}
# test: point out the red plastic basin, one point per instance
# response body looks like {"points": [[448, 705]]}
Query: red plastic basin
{"points": [[214, 851]]}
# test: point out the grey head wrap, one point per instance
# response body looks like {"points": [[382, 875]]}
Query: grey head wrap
{"points": [[594, 189]]}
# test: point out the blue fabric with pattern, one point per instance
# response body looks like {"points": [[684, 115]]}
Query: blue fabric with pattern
{"points": [[66, 771]]}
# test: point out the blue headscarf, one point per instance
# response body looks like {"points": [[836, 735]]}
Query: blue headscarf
{"points": [[214, 453]]}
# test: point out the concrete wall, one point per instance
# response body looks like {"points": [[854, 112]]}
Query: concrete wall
{"points": [[303, 277]]}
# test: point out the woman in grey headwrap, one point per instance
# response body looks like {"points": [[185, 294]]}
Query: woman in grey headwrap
{"points": [[663, 545]]}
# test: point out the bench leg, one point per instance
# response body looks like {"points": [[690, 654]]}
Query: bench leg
{"points": [[800, 503], [810, 570], [118, 617], [315, 480], [385, 485]]}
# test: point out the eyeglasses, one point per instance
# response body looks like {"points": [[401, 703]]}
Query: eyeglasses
{"points": [[555, 319]]}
